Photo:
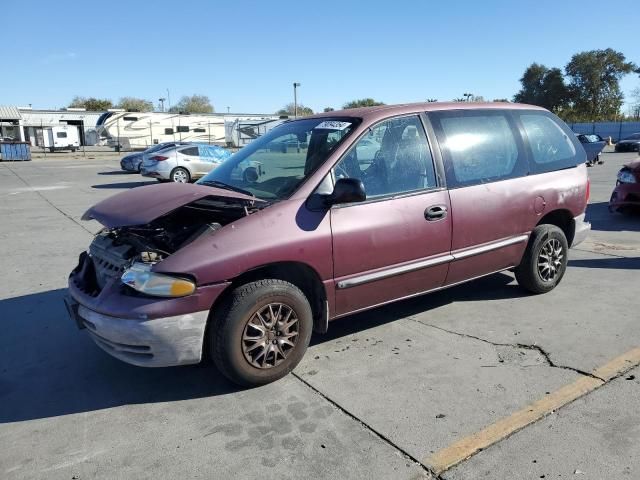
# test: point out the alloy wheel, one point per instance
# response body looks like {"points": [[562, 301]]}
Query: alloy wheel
{"points": [[180, 176], [270, 335], [550, 260]]}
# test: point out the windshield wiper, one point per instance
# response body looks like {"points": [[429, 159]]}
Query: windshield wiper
{"points": [[225, 186]]}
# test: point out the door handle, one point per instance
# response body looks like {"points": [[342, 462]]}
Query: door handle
{"points": [[436, 212]]}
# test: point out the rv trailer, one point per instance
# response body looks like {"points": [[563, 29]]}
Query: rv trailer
{"points": [[61, 137], [144, 129]]}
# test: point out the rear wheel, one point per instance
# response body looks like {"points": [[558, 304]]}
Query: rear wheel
{"points": [[545, 260], [260, 332], [180, 175], [599, 160]]}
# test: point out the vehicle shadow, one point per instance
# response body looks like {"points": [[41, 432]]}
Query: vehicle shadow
{"points": [[603, 220], [108, 186], [116, 172], [499, 286], [50, 368], [614, 263]]}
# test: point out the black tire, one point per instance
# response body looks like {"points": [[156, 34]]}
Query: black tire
{"points": [[180, 172], [230, 319], [599, 160], [529, 274]]}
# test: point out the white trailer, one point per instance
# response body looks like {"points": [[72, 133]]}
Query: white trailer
{"points": [[61, 137]]}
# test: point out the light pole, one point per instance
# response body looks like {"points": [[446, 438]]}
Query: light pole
{"points": [[161, 100], [228, 108], [168, 100], [295, 99], [467, 96]]}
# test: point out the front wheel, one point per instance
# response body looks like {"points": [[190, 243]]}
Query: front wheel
{"points": [[545, 260], [260, 332]]}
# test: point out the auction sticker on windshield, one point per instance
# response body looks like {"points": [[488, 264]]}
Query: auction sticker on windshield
{"points": [[332, 125]]}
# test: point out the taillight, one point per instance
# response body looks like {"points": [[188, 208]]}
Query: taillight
{"points": [[588, 189], [159, 158]]}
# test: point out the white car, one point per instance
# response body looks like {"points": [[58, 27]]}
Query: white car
{"points": [[183, 163]]}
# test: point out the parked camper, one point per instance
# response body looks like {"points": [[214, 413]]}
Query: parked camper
{"points": [[62, 137]]}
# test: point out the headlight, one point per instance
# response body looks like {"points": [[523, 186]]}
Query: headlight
{"points": [[626, 176], [141, 278]]}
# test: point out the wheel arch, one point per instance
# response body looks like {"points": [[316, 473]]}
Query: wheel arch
{"points": [[297, 273], [563, 219]]}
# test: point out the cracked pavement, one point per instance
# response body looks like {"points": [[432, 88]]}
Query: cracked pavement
{"points": [[375, 397]]}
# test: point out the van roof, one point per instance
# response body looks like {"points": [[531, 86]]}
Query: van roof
{"points": [[381, 111]]}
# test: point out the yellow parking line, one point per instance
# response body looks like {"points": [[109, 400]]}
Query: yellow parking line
{"points": [[466, 447]]}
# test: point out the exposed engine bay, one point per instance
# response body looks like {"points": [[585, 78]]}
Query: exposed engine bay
{"points": [[114, 250]]}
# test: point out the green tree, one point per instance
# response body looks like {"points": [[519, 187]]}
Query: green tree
{"points": [[132, 104], [504, 100], [92, 104], [544, 87], [328, 109], [594, 83], [289, 110], [363, 102], [193, 104]]}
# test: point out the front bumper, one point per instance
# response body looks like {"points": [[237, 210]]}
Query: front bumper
{"points": [[141, 330], [159, 342], [625, 195], [581, 231]]}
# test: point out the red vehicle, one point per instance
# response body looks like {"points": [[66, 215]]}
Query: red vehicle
{"points": [[378, 204], [626, 195]]}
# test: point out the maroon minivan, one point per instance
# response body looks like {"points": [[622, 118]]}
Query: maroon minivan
{"points": [[325, 216]]}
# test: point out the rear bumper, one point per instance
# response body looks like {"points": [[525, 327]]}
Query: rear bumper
{"points": [[154, 172], [581, 231], [159, 342]]}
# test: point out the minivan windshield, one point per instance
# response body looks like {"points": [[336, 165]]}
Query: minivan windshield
{"points": [[274, 165]]}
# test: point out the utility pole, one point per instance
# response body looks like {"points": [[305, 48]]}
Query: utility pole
{"points": [[295, 99], [168, 100]]}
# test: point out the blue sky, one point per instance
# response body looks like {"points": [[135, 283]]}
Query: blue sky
{"points": [[246, 54]]}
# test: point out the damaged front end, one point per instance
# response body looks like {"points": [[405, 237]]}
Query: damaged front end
{"points": [[128, 252], [141, 316]]}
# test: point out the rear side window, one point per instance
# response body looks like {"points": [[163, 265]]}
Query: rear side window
{"points": [[479, 147], [193, 151], [551, 146], [61, 135]]}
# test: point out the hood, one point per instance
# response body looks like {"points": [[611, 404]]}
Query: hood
{"points": [[142, 205]]}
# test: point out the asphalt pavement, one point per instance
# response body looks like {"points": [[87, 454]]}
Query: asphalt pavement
{"points": [[524, 386]]}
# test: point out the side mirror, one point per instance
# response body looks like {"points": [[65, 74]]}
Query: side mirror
{"points": [[250, 175], [346, 190]]}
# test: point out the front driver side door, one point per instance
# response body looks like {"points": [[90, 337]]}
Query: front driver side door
{"points": [[396, 243]]}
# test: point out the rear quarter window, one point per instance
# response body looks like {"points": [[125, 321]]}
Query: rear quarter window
{"points": [[192, 151], [478, 147], [551, 144]]}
